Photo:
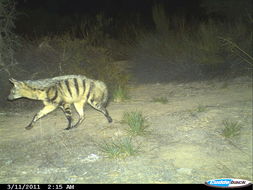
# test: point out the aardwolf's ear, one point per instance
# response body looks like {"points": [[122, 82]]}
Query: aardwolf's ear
{"points": [[14, 81]]}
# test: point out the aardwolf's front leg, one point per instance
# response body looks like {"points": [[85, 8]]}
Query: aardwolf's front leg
{"points": [[67, 111], [47, 109], [79, 108]]}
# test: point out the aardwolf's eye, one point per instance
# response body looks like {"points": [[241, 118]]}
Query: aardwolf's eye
{"points": [[14, 91]]}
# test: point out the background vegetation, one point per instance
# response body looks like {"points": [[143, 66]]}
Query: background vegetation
{"points": [[192, 48]]}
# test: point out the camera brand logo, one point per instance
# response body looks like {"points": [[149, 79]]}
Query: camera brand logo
{"points": [[228, 183]]}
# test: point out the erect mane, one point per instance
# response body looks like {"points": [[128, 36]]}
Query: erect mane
{"points": [[45, 83]]}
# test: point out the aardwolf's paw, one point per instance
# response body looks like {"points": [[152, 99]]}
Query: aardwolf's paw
{"points": [[109, 119], [70, 127], [29, 127]]}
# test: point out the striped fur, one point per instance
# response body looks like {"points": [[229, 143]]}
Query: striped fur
{"points": [[61, 92]]}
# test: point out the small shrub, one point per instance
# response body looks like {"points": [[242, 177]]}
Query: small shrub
{"points": [[233, 48], [200, 108], [120, 94], [118, 149], [206, 50], [65, 54], [231, 128], [136, 123], [115, 75]]}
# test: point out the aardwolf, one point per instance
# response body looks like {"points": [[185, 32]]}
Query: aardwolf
{"points": [[61, 92]]}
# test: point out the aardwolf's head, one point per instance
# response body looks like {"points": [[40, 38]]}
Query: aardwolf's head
{"points": [[18, 89]]}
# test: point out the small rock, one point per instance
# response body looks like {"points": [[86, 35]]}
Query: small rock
{"points": [[91, 158]]}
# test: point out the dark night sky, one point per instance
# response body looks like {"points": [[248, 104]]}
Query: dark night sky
{"points": [[109, 7], [52, 14]]}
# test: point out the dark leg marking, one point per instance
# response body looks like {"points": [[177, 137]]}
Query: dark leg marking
{"points": [[67, 111], [104, 111], [69, 118], [30, 126], [79, 108], [108, 117]]}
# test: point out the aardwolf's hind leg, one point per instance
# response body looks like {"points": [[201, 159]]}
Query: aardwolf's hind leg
{"points": [[102, 109], [106, 114]]}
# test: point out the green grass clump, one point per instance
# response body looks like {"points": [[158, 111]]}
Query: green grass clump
{"points": [[118, 149], [136, 122], [231, 128], [162, 100], [199, 109], [120, 94]]}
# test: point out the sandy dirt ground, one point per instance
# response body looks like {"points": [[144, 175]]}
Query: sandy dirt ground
{"points": [[184, 145]]}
